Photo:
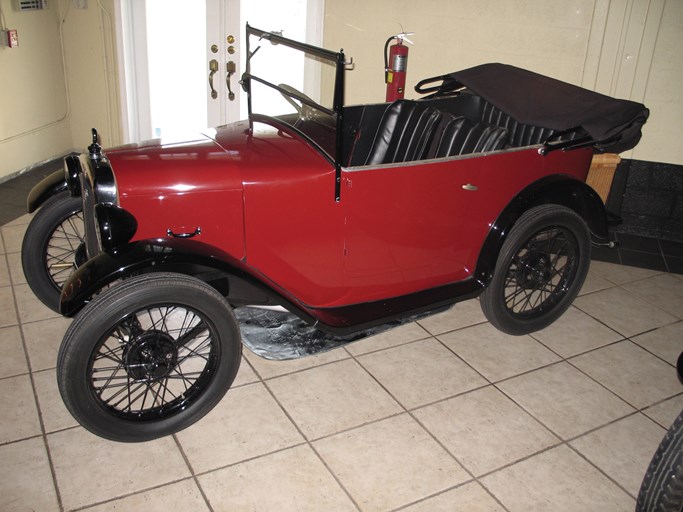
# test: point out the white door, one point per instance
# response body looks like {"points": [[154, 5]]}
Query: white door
{"points": [[223, 52], [182, 59]]}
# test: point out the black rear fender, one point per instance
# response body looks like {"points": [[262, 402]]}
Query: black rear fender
{"points": [[204, 262], [558, 189]]}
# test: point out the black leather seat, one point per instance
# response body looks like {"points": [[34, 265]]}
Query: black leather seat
{"points": [[519, 134], [458, 136], [405, 133], [411, 130], [485, 137], [450, 137]]}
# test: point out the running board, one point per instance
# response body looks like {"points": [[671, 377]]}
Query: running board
{"points": [[279, 335]]}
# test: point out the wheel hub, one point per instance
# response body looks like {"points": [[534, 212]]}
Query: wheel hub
{"points": [[534, 270], [151, 355]]}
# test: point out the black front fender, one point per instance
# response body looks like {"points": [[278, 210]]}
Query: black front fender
{"points": [[224, 272], [557, 189], [48, 187]]}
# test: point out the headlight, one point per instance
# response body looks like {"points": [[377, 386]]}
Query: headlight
{"points": [[116, 226]]}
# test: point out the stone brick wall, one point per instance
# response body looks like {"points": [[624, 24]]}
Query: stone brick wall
{"points": [[649, 198]]}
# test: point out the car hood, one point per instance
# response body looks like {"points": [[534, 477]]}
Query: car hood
{"points": [[239, 145]]}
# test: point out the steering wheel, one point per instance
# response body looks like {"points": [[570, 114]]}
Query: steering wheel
{"points": [[305, 112]]}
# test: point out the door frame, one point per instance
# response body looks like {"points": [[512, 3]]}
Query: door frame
{"points": [[135, 115], [220, 109], [132, 63]]}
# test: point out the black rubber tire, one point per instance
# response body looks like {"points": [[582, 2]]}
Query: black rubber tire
{"points": [[662, 487], [101, 354], [53, 236], [529, 265]]}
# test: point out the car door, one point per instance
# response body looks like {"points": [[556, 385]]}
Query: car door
{"points": [[405, 226]]}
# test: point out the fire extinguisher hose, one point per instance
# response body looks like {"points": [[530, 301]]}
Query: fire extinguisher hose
{"points": [[386, 59]]}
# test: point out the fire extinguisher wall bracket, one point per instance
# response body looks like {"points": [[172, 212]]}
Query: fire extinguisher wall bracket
{"points": [[396, 66]]}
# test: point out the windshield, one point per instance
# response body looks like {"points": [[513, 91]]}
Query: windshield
{"points": [[296, 84]]}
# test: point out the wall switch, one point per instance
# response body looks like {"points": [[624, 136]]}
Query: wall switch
{"points": [[81, 4], [9, 38]]}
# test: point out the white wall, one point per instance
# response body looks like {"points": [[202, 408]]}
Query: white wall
{"points": [[92, 74], [626, 48], [57, 84], [34, 120], [662, 91]]}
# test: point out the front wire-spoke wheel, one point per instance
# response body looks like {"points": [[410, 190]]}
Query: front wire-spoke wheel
{"points": [[50, 250], [149, 357], [154, 362], [540, 270]]}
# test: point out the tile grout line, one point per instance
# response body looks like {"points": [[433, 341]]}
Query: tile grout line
{"points": [[657, 403], [410, 413], [625, 336], [128, 495], [646, 349], [561, 440], [604, 472], [600, 470], [564, 442], [309, 443], [628, 340], [460, 485], [649, 302], [306, 441], [192, 472], [39, 412], [405, 410], [663, 256], [567, 442]]}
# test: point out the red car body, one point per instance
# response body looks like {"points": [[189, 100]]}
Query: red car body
{"points": [[265, 197]]}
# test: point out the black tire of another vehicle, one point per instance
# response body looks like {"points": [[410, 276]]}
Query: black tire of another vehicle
{"points": [[148, 357], [662, 487], [539, 271], [48, 251]]}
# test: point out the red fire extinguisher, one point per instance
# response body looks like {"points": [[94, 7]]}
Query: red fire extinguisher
{"points": [[396, 66]]}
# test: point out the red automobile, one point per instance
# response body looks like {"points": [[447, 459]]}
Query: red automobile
{"points": [[304, 230]]}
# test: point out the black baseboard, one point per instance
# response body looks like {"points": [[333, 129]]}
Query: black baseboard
{"points": [[648, 197], [14, 191]]}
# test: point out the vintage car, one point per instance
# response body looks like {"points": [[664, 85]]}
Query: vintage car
{"points": [[298, 232]]}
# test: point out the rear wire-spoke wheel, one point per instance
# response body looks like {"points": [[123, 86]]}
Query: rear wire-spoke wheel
{"points": [[540, 270], [149, 357], [52, 247]]}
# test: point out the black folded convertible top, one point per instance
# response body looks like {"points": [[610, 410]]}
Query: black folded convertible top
{"points": [[549, 103]]}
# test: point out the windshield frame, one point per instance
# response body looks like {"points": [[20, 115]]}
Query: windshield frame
{"points": [[336, 58]]}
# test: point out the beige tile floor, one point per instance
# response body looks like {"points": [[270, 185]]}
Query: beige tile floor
{"points": [[444, 414]]}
